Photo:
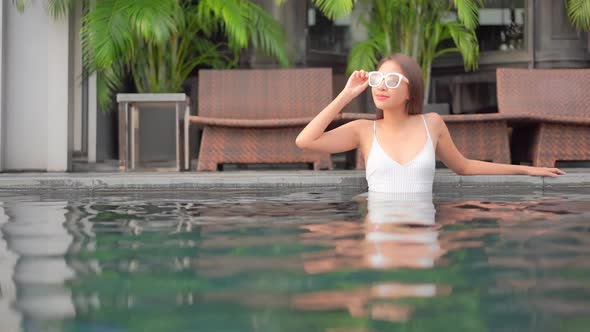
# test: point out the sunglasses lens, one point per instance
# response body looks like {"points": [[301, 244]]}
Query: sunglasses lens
{"points": [[392, 81], [375, 79]]}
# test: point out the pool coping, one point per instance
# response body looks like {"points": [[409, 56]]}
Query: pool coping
{"points": [[235, 180]]}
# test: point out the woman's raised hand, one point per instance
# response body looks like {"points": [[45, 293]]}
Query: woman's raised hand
{"points": [[357, 83]]}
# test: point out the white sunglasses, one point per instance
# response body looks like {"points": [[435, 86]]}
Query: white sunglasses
{"points": [[392, 80]]}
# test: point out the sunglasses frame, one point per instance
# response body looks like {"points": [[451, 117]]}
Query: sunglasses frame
{"points": [[384, 77]]}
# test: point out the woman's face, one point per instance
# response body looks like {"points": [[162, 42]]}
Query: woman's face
{"points": [[386, 98]]}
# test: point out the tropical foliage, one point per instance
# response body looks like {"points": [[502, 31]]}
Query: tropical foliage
{"points": [[578, 12], [420, 29], [160, 42]]}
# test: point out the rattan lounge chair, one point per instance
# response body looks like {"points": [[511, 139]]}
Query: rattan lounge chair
{"points": [[557, 103], [254, 115]]}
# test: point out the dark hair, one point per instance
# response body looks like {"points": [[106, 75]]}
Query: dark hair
{"points": [[413, 72]]}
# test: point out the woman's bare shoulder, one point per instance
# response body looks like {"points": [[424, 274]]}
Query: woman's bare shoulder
{"points": [[434, 119], [362, 124], [363, 127], [435, 122]]}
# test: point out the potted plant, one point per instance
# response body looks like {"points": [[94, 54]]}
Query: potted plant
{"points": [[157, 44]]}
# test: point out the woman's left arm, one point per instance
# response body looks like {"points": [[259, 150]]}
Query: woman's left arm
{"points": [[448, 153]]}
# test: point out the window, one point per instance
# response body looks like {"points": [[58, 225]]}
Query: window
{"points": [[502, 25], [326, 35]]}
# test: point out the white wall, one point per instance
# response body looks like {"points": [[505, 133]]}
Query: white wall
{"points": [[37, 120]]}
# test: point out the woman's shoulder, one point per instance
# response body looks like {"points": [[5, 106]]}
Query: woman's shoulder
{"points": [[363, 127], [362, 123], [434, 121], [432, 116]]}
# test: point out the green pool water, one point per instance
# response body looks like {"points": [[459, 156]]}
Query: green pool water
{"points": [[294, 261]]}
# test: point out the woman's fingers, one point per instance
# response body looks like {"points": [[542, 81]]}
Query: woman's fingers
{"points": [[556, 171], [546, 171], [360, 74], [553, 172]]}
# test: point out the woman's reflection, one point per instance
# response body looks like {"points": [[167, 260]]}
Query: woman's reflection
{"points": [[398, 231]]}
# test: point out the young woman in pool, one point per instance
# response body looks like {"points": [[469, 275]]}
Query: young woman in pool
{"points": [[399, 147]]}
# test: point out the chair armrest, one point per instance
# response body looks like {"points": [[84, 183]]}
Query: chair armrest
{"points": [[483, 117], [518, 118], [248, 123], [561, 119]]}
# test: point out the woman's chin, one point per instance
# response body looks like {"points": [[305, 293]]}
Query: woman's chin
{"points": [[380, 104]]}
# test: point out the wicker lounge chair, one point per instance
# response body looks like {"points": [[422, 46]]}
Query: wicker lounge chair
{"points": [[557, 103], [254, 116]]}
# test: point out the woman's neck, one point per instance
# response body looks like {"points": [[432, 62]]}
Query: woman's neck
{"points": [[395, 118]]}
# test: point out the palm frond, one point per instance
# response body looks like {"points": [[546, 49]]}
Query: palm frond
{"points": [[364, 55], [59, 8], [578, 12], [56, 8], [334, 9], [266, 33], [109, 80], [20, 4], [466, 42], [244, 22], [467, 11], [110, 29], [229, 16]]}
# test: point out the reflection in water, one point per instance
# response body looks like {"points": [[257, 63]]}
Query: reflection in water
{"points": [[36, 234], [293, 262], [10, 318], [399, 231]]}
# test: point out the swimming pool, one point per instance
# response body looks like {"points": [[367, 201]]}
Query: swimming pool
{"points": [[294, 261]]}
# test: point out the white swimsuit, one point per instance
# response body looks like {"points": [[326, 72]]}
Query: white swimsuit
{"points": [[385, 175]]}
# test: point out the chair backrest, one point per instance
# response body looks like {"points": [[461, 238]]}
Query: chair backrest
{"points": [[264, 93], [559, 92]]}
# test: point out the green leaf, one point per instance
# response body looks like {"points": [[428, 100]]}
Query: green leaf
{"points": [[108, 80], [578, 12], [59, 8], [466, 42], [467, 11], [20, 5], [364, 55], [229, 15], [334, 9], [266, 33]]}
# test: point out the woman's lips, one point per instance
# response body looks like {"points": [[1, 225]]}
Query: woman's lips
{"points": [[381, 97]]}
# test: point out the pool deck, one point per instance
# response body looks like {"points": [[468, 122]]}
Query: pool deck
{"points": [[577, 179]]}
